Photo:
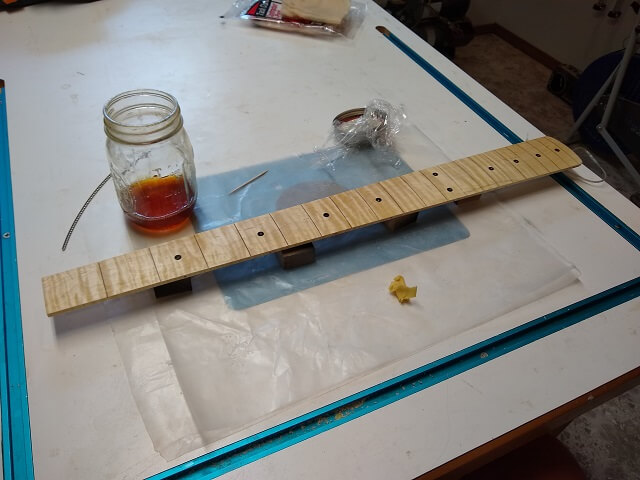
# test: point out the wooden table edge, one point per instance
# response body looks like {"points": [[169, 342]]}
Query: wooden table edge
{"points": [[551, 422]]}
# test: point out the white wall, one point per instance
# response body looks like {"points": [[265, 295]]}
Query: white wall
{"points": [[568, 30]]}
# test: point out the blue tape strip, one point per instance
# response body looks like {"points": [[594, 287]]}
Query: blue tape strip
{"points": [[600, 210], [17, 461]]}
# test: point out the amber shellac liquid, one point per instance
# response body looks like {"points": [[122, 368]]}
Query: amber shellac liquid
{"points": [[161, 204]]}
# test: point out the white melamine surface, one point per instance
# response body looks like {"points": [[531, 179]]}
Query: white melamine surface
{"points": [[249, 95]]}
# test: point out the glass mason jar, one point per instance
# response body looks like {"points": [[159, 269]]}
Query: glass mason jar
{"points": [[151, 159]]}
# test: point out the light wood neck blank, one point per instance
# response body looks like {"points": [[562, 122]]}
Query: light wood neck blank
{"points": [[281, 230]]}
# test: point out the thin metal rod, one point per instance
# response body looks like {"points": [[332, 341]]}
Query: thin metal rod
{"points": [[631, 47], [84, 207], [615, 90], [619, 153], [253, 179], [594, 101], [624, 63]]}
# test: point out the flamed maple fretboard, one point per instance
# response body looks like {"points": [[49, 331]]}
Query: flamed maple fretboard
{"points": [[284, 229]]}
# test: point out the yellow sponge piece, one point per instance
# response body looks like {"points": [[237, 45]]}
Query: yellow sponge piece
{"points": [[399, 288]]}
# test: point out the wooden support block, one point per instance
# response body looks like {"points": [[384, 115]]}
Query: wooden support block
{"points": [[75, 288], [443, 182], [295, 225], [178, 259], [464, 201], [481, 177], [222, 246], [173, 288], [403, 195], [129, 273], [354, 208], [399, 222], [379, 201], [261, 235], [424, 188], [327, 216], [297, 256]]}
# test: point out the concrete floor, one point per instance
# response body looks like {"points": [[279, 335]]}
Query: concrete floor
{"points": [[606, 440], [517, 80]]}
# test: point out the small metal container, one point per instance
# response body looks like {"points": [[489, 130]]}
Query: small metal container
{"points": [[361, 126], [348, 128]]}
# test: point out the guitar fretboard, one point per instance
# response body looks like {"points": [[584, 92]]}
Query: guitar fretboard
{"points": [[378, 202]]}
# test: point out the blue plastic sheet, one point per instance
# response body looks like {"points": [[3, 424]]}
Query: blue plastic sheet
{"points": [[300, 179]]}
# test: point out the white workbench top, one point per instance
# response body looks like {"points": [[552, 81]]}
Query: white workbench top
{"points": [[61, 62]]}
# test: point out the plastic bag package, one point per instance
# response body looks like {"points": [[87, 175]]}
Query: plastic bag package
{"points": [[201, 368], [269, 13]]}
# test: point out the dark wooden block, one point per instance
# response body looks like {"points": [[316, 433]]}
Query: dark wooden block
{"points": [[297, 256], [467, 200], [179, 286], [399, 222]]}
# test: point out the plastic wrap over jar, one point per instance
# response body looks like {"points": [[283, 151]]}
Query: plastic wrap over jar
{"points": [[151, 159], [377, 124]]}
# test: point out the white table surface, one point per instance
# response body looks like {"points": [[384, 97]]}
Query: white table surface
{"points": [[61, 62]]}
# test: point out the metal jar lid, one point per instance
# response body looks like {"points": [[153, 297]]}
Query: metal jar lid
{"points": [[349, 115], [345, 129]]}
